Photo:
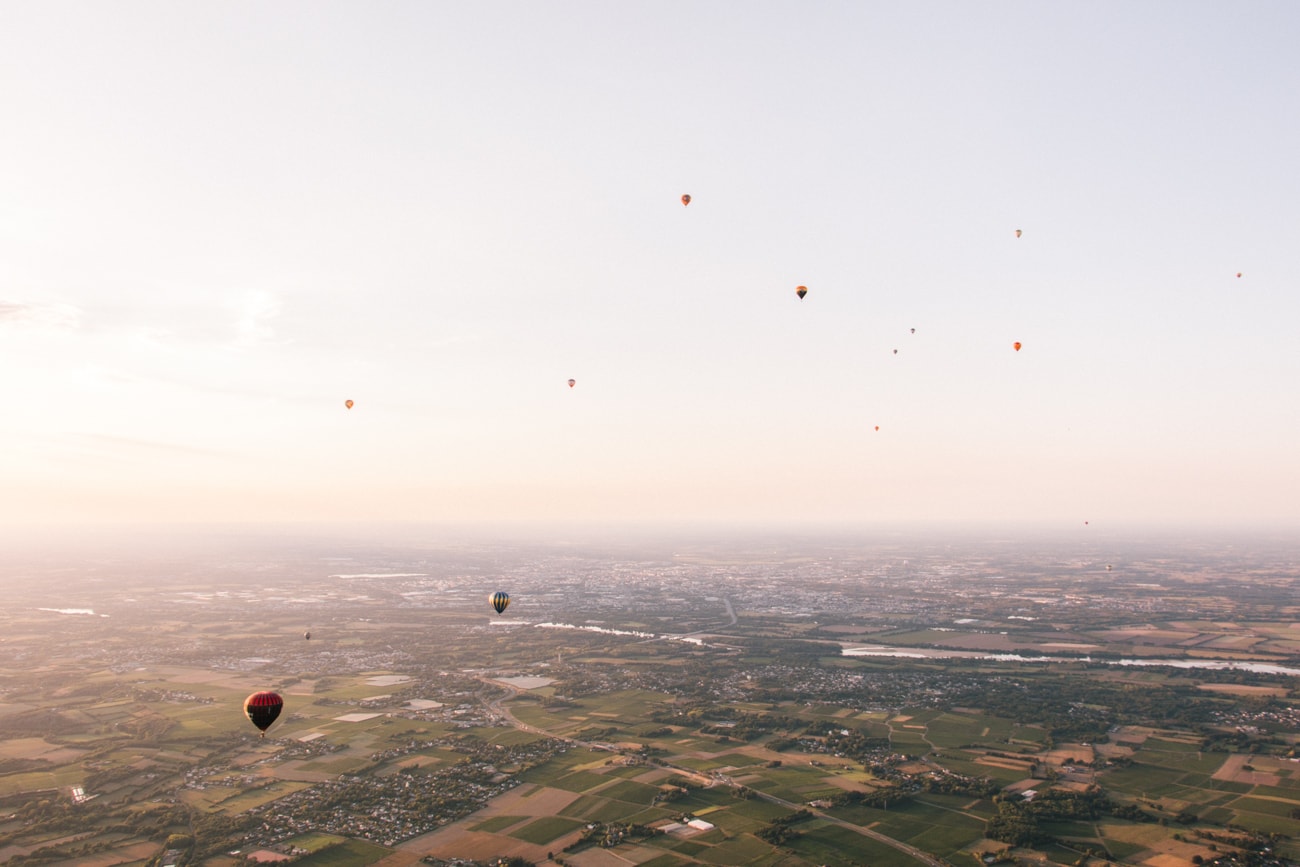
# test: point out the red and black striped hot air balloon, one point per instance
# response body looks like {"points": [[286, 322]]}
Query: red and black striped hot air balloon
{"points": [[263, 708]]}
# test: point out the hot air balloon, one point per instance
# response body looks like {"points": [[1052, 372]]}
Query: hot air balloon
{"points": [[1238, 273], [500, 600], [307, 635], [913, 330], [1016, 346], [895, 351], [801, 291], [686, 199], [348, 404], [877, 427], [572, 383], [263, 708], [1017, 233], [1108, 567]]}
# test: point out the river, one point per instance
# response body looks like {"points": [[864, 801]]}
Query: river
{"points": [[926, 653]]}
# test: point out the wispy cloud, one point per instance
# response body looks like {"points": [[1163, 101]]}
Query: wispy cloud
{"points": [[136, 447], [24, 313], [255, 323]]}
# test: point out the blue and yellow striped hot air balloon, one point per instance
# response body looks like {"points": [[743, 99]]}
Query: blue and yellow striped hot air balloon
{"points": [[500, 600]]}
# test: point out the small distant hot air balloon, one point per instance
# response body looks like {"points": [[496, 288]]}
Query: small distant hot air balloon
{"points": [[1108, 567], [500, 600], [895, 351], [801, 291], [572, 383], [307, 635], [877, 427], [686, 199], [1238, 273], [263, 708], [1017, 233], [913, 330], [1016, 346], [348, 404]]}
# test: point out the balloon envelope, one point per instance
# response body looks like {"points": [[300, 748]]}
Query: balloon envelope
{"points": [[572, 383], [1017, 233], [1016, 346], [348, 404], [500, 600], [686, 199], [801, 291], [263, 708]]}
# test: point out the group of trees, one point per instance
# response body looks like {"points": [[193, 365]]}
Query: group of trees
{"points": [[607, 835], [881, 799], [1242, 742], [1019, 821], [779, 832], [749, 726]]}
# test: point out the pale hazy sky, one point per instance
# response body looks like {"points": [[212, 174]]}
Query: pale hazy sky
{"points": [[218, 221]]}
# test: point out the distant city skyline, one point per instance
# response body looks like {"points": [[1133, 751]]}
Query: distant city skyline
{"points": [[223, 222]]}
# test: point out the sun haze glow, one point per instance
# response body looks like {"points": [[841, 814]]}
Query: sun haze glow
{"points": [[222, 221]]}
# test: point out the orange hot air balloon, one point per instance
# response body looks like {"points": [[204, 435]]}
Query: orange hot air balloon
{"points": [[1016, 346], [1017, 233], [686, 199], [801, 291], [348, 404], [877, 427], [572, 383]]}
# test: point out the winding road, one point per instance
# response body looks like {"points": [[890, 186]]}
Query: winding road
{"points": [[495, 706]]}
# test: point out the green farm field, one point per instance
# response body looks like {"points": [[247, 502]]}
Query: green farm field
{"points": [[544, 830]]}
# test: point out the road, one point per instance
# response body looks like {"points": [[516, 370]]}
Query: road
{"points": [[496, 707], [919, 855]]}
